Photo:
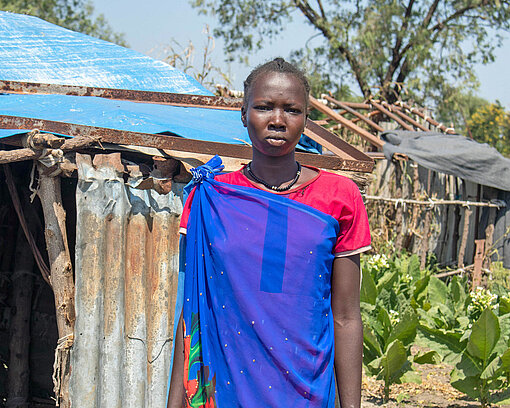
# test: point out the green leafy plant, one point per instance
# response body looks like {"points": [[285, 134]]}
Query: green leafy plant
{"points": [[390, 322], [480, 354], [485, 361]]}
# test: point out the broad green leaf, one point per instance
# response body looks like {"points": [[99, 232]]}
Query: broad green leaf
{"points": [[463, 322], [437, 291], [504, 306], [469, 365], [370, 341], [430, 357], [484, 336], [420, 286], [446, 343], [411, 377], [368, 289], [504, 325], [387, 280], [405, 330], [393, 362], [466, 335], [502, 397], [505, 361], [384, 320], [373, 367], [492, 369], [467, 385], [457, 292], [413, 267]]}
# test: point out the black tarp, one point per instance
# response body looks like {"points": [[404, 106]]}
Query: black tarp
{"points": [[464, 158], [451, 154]]}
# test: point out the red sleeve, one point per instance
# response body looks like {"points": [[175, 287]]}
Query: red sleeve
{"points": [[354, 236], [185, 212]]}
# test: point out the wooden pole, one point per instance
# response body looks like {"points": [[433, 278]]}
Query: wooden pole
{"points": [[61, 279], [399, 216], [415, 209], [426, 224], [36, 150], [18, 377], [477, 272], [489, 237], [463, 242]]}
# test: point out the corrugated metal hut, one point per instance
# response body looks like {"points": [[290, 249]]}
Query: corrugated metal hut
{"points": [[103, 136]]}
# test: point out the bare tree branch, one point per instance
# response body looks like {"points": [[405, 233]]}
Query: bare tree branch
{"points": [[323, 26], [321, 7], [436, 29], [396, 57]]}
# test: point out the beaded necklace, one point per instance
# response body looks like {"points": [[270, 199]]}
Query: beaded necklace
{"points": [[275, 188]]}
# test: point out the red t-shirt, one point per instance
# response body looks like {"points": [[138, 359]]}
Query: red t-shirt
{"points": [[330, 193]]}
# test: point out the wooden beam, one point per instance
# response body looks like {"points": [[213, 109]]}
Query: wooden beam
{"points": [[360, 116], [346, 123], [382, 109]]}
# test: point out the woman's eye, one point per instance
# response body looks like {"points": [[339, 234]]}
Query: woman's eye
{"points": [[294, 111], [262, 108]]}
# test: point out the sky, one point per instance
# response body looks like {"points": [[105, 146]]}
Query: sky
{"points": [[150, 26]]}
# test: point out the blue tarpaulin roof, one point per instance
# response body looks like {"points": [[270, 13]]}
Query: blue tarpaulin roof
{"points": [[195, 123], [33, 50]]}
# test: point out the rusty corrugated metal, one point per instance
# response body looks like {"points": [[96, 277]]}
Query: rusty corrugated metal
{"points": [[126, 283]]}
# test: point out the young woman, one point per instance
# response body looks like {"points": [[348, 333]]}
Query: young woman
{"points": [[271, 306]]}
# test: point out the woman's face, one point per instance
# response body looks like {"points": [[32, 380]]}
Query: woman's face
{"points": [[275, 114]]}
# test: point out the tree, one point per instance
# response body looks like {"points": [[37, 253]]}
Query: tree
{"points": [[389, 47], [183, 58], [491, 124], [73, 14]]}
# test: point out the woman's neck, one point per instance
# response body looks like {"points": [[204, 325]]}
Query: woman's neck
{"points": [[274, 170]]}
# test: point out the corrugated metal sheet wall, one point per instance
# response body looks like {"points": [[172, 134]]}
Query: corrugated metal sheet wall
{"points": [[126, 279]]}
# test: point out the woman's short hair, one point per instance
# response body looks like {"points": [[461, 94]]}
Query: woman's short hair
{"points": [[276, 65]]}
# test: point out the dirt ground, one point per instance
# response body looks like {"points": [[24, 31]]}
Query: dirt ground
{"points": [[434, 391]]}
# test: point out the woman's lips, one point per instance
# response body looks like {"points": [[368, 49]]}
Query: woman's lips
{"points": [[275, 140]]}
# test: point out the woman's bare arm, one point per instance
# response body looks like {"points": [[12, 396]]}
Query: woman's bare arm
{"points": [[345, 304], [176, 394]]}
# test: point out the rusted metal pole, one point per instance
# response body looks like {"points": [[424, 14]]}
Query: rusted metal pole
{"points": [[61, 278]]}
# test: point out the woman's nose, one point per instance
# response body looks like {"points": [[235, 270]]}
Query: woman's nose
{"points": [[278, 118]]}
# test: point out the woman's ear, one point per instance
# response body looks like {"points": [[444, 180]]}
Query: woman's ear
{"points": [[243, 116]]}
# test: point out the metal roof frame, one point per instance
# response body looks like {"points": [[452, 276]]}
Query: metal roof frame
{"points": [[346, 157]]}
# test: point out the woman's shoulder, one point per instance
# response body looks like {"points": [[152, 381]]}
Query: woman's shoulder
{"points": [[236, 177], [334, 184]]}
